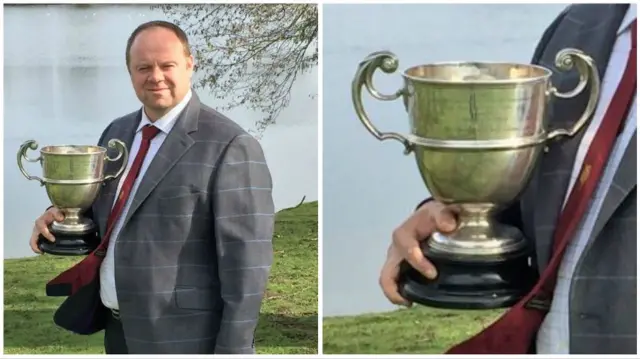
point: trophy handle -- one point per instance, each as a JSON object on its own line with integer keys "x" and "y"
{"x": 388, "y": 63}
{"x": 22, "y": 153}
{"x": 122, "y": 152}
{"x": 565, "y": 60}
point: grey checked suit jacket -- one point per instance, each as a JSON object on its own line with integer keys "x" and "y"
{"x": 603, "y": 297}
{"x": 193, "y": 257}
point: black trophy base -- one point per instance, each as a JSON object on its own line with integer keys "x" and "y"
{"x": 69, "y": 244}
{"x": 469, "y": 285}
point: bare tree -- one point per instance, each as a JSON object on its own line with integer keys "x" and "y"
{"x": 250, "y": 54}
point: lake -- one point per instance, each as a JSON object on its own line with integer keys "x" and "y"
{"x": 65, "y": 79}
{"x": 369, "y": 187}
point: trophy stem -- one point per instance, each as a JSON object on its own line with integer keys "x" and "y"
{"x": 477, "y": 220}
{"x": 478, "y": 238}
{"x": 71, "y": 216}
{"x": 73, "y": 223}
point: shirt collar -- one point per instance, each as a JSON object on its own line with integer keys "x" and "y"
{"x": 631, "y": 15}
{"x": 166, "y": 122}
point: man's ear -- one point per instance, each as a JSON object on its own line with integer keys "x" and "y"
{"x": 191, "y": 63}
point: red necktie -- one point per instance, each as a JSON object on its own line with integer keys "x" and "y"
{"x": 148, "y": 133}
{"x": 86, "y": 271}
{"x": 514, "y": 332}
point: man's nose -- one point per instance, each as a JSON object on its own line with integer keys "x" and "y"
{"x": 156, "y": 74}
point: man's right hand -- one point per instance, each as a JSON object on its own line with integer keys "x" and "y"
{"x": 42, "y": 227}
{"x": 405, "y": 246}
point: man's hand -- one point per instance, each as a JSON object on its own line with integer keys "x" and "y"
{"x": 42, "y": 227}
{"x": 432, "y": 216}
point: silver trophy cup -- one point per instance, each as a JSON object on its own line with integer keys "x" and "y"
{"x": 72, "y": 176}
{"x": 477, "y": 130}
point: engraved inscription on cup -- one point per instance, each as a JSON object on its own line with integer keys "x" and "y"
{"x": 73, "y": 163}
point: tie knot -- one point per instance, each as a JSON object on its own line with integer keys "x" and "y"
{"x": 149, "y": 132}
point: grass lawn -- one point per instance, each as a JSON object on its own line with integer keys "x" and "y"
{"x": 418, "y": 330}
{"x": 288, "y": 323}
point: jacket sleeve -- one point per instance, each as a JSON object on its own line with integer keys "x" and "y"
{"x": 244, "y": 224}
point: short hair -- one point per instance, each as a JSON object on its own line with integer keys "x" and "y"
{"x": 182, "y": 36}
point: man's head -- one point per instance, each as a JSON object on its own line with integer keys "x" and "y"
{"x": 160, "y": 63}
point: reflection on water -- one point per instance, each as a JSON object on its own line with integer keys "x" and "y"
{"x": 65, "y": 80}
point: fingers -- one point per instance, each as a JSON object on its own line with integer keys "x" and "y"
{"x": 445, "y": 220}
{"x": 56, "y": 213}
{"x": 41, "y": 227}
{"x": 433, "y": 216}
{"x": 389, "y": 281}
{"x": 407, "y": 240}
{"x": 389, "y": 285}
{"x": 410, "y": 248}
{"x": 33, "y": 242}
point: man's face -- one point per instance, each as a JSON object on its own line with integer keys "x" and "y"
{"x": 160, "y": 71}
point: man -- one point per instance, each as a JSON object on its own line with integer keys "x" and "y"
{"x": 186, "y": 248}
{"x": 594, "y": 301}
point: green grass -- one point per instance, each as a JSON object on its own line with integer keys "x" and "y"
{"x": 418, "y": 330}
{"x": 289, "y": 317}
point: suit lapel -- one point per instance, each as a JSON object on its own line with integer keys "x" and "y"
{"x": 591, "y": 28}
{"x": 125, "y": 131}
{"x": 177, "y": 143}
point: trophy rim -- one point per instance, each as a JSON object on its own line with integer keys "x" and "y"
{"x": 46, "y": 150}
{"x": 547, "y": 73}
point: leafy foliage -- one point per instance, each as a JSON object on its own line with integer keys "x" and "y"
{"x": 250, "y": 54}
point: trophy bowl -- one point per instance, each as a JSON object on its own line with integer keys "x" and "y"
{"x": 477, "y": 130}
{"x": 72, "y": 176}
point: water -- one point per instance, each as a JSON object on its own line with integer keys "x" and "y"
{"x": 65, "y": 80}
{"x": 369, "y": 187}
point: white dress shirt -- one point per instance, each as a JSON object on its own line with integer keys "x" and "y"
{"x": 553, "y": 337}
{"x": 164, "y": 124}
